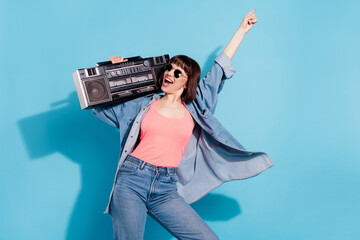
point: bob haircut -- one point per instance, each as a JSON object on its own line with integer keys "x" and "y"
{"x": 192, "y": 70}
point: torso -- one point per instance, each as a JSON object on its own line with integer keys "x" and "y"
{"x": 164, "y": 134}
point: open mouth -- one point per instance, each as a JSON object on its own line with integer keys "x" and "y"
{"x": 167, "y": 80}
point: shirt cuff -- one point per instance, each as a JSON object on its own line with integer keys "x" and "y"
{"x": 225, "y": 63}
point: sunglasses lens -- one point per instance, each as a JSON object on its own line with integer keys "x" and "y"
{"x": 168, "y": 67}
{"x": 177, "y": 73}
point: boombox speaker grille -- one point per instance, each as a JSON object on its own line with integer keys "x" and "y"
{"x": 97, "y": 90}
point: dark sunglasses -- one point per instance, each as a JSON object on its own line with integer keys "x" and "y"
{"x": 177, "y": 72}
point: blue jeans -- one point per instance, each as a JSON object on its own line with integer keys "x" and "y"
{"x": 141, "y": 189}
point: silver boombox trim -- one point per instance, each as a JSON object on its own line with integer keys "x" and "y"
{"x": 109, "y": 83}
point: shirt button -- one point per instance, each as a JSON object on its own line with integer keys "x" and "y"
{"x": 131, "y": 136}
{"x": 226, "y": 141}
{"x": 137, "y": 121}
{"x": 143, "y": 109}
{"x": 212, "y": 134}
{"x": 125, "y": 151}
{"x": 192, "y": 111}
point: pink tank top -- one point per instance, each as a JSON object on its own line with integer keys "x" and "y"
{"x": 163, "y": 140}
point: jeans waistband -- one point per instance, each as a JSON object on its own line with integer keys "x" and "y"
{"x": 142, "y": 164}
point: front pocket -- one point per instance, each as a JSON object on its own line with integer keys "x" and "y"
{"x": 173, "y": 177}
{"x": 128, "y": 168}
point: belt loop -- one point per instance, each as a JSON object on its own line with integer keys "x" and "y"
{"x": 167, "y": 171}
{"x": 142, "y": 165}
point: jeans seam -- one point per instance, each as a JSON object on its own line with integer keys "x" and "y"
{"x": 152, "y": 187}
{"x": 113, "y": 224}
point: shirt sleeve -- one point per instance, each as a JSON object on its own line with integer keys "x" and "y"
{"x": 122, "y": 112}
{"x": 210, "y": 86}
{"x": 107, "y": 114}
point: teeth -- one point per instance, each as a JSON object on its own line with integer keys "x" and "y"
{"x": 168, "y": 80}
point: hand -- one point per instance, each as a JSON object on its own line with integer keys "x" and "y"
{"x": 116, "y": 59}
{"x": 248, "y": 21}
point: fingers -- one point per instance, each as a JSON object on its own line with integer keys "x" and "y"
{"x": 248, "y": 21}
{"x": 122, "y": 59}
{"x": 116, "y": 59}
{"x": 250, "y": 18}
{"x": 251, "y": 12}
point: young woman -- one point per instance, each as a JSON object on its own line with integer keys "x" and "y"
{"x": 174, "y": 151}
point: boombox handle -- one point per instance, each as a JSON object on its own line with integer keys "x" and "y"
{"x": 109, "y": 62}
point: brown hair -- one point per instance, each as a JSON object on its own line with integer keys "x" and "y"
{"x": 192, "y": 70}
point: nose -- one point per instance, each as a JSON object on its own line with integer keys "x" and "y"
{"x": 171, "y": 71}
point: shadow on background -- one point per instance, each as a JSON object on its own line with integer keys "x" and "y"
{"x": 85, "y": 140}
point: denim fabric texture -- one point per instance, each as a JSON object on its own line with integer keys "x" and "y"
{"x": 141, "y": 189}
{"x": 212, "y": 157}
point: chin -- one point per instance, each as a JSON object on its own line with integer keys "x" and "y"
{"x": 163, "y": 89}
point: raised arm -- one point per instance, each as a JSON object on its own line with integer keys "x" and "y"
{"x": 247, "y": 23}
{"x": 210, "y": 86}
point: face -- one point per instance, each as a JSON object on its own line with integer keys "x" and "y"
{"x": 174, "y": 80}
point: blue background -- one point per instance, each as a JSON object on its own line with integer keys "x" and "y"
{"x": 295, "y": 96}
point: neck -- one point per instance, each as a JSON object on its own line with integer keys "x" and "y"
{"x": 170, "y": 98}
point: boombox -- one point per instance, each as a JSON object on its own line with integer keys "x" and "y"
{"x": 109, "y": 83}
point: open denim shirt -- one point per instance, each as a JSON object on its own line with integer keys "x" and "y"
{"x": 213, "y": 156}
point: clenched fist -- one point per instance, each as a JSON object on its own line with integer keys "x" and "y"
{"x": 248, "y": 21}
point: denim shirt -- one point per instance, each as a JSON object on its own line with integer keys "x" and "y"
{"x": 213, "y": 156}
